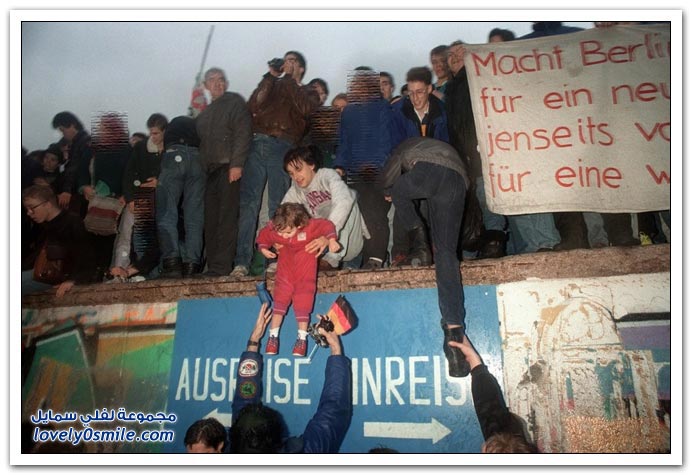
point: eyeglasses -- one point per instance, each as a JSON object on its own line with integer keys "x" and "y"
{"x": 31, "y": 209}
{"x": 419, "y": 93}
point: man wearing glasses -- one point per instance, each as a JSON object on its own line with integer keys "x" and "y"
{"x": 280, "y": 108}
{"x": 421, "y": 114}
{"x": 63, "y": 236}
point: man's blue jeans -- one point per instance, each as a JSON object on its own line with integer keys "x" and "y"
{"x": 181, "y": 175}
{"x": 491, "y": 221}
{"x": 531, "y": 232}
{"x": 445, "y": 191}
{"x": 265, "y": 165}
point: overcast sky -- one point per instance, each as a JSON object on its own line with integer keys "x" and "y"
{"x": 146, "y": 67}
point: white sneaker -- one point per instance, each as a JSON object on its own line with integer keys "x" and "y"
{"x": 271, "y": 268}
{"x": 137, "y": 278}
{"x": 239, "y": 271}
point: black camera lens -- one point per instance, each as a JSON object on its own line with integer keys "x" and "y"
{"x": 276, "y": 63}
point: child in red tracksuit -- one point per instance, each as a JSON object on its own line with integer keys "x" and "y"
{"x": 299, "y": 241}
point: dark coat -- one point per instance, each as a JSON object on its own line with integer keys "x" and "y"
{"x": 491, "y": 410}
{"x": 225, "y": 132}
{"x": 141, "y": 166}
{"x": 421, "y": 149}
{"x": 65, "y": 237}
{"x": 108, "y": 166}
{"x": 281, "y": 108}
{"x": 326, "y": 430}
{"x": 182, "y": 130}
{"x": 550, "y": 28}
{"x": 462, "y": 128}
{"x": 80, "y": 155}
{"x": 409, "y": 125}
{"x": 366, "y": 138}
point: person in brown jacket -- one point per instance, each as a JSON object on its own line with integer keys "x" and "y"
{"x": 280, "y": 108}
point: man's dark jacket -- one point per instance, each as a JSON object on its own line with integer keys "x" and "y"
{"x": 421, "y": 149}
{"x": 281, "y": 108}
{"x": 409, "y": 125}
{"x": 225, "y": 132}
{"x": 327, "y": 428}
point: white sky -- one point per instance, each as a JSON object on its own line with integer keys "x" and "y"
{"x": 146, "y": 67}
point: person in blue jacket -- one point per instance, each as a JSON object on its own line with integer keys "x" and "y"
{"x": 420, "y": 114}
{"x": 257, "y": 428}
{"x": 366, "y": 135}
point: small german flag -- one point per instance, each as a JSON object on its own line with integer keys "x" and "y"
{"x": 341, "y": 315}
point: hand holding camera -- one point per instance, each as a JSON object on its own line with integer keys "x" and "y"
{"x": 339, "y": 320}
{"x": 275, "y": 66}
{"x": 324, "y": 335}
{"x": 314, "y": 330}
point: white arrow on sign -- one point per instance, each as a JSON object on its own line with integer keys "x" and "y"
{"x": 225, "y": 418}
{"x": 407, "y": 430}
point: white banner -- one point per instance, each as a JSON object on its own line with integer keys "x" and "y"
{"x": 576, "y": 122}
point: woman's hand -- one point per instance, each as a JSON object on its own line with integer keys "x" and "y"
{"x": 317, "y": 246}
{"x": 334, "y": 246}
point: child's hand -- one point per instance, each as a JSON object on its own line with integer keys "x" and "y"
{"x": 267, "y": 253}
{"x": 334, "y": 245}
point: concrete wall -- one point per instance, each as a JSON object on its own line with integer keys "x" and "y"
{"x": 571, "y": 353}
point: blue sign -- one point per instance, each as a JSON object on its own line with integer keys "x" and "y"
{"x": 402, "y": 395}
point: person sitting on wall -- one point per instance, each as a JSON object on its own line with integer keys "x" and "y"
{"x": 502, "y": 430}
{"x": 325, "y": 195}
{"x": 259, "y": 429}
{"x": 64, "y": 239}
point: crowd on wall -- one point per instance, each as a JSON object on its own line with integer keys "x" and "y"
{"x": 188, "y": 198}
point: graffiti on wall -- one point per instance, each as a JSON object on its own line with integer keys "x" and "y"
{"x": 585, "y": 362}
{"x": 59, "y": 378}
{"x": 37, "y": 322}
{"x": 94, "y": 364}
{"x": 579, "y": 371}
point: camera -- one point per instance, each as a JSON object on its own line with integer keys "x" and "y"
{"x": 313, "y": 328}
{"x": 276, "y": 64}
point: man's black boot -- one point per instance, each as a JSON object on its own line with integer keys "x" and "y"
{"x": 573, "y": 231}
{"x": 494, "y": 244}
{"x": 190, "y": 269}
{"x": 458, "y": 366}
{"x": 420, "y": 255}
{"x": 171, "y": 268}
